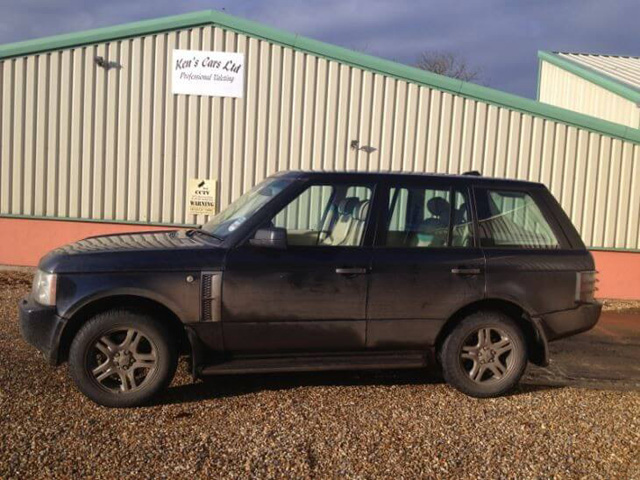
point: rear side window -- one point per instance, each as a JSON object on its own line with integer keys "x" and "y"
{"x": 512, "y": 219}
{"x": 420, "y": 217}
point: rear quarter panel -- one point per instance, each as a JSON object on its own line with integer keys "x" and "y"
{"x": 539, "y": 281}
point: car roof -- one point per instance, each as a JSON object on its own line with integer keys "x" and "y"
{"x": 472, "y": 177}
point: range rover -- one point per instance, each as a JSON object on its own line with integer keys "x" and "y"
{"x": 322, "y": 271}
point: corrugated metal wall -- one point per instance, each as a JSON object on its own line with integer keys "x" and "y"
{"x": 566, "y": 90}
{"x": 82, "y": 142}
{"x": 624, "y": 69}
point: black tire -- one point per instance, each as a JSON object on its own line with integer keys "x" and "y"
{"x": 134, "y": 372}
{"x": 481, "y": 368}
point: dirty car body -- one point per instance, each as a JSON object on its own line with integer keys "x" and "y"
{"x": 328, "y": 271}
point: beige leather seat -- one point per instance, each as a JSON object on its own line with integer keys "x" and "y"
{"x": 433, "y": 231}
{"x": 461, "y": 227}
{"x": 359, "y": 222}
{"x": 342, "y": 227}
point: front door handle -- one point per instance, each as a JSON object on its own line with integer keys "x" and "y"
{"x": 351, "y": 271}
{"x": 466, "y": 271}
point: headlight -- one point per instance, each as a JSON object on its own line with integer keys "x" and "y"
{"x": 44, "y": 288}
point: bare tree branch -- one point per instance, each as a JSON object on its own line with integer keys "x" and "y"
{"x": 449, "y": 64}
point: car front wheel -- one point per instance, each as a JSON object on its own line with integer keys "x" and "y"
{"x": 485, "y": 355}
{"x": 122, "y": 358}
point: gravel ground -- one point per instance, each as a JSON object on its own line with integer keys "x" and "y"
{"x": 379, "y": 424}
{"x": 621, "y": 306}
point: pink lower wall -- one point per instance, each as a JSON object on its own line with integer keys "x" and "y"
{"x": 24, "y": 241}
{"x": 618, "y": 274}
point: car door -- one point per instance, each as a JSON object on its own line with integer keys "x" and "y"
{"x": 426, "y": 263}
{"x": 530, "y": 261}
{"x": 310, "y": 296}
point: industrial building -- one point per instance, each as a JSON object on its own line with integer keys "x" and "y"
{"x": 112, "y": 129}
{"x": 604, "y": 86}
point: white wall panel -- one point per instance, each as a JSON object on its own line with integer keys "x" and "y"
{"x": 79, "y": 141}
{"x": 564, "y": 89}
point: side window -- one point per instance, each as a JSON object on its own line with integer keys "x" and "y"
{"x": 326, "y": 215}
{"x": 427, "y": 218}
{"x": 511, "y": 219}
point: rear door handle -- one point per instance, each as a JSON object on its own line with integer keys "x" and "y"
{"x": 351, "y": 271}
{"x": 466, "y": 271}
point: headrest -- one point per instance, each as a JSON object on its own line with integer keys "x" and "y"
{"x": 348, "y": 205}
{"x": 362, "y": 210}
{"x": 438, "y": 207}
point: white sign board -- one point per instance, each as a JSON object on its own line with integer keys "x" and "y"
{"x": 201, "y": 197}
{"x": 216, "y": 74}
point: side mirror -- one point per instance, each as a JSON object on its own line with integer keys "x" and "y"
{"x": 273, "y": 237}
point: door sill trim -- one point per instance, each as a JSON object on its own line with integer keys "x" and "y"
{"x": 316, "y": 362}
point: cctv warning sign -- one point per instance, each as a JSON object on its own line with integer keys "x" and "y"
{"x": 201, "y": 196}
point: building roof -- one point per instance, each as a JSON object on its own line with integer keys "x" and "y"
{"x": 624, "y": 69}
{"x": 325, "y": 50}
{"x": 618, "y": 74}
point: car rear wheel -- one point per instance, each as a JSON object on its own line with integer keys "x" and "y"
{"x": 485, "y": 355}
{"x": 122, "y": 358}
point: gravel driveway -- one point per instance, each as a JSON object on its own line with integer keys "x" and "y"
{"x": 378, "y": 424}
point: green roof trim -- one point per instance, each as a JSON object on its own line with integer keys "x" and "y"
{"x": 106, "y": 34}
{"x": 321, "y": 49}
{"x": 538, "y": 81}
{"x": 592, "y": 75}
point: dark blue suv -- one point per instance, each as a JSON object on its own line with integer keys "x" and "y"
{"x": 323, "y": 271}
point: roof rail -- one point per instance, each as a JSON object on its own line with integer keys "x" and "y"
{"x": 474, "y": 173}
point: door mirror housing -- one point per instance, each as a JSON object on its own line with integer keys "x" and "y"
{"x": 272, "y": 237}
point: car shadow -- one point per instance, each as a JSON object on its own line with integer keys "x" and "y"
{"x": 218, "y": 387}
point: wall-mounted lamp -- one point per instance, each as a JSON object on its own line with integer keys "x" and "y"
{"x": 106, "y": 64}
{"x": 355, "y": 145}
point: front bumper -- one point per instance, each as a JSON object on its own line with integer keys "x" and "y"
{"x": 41, "y": 327}
{"x": 565, "y": 323}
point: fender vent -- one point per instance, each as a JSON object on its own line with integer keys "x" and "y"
{"x": 211, "y": 296}
{"x": 206, "y": 298}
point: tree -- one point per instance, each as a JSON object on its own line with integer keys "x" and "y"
{"x": 449, "y": 64}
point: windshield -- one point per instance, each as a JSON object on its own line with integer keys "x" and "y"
{"x": 245, "y": 207}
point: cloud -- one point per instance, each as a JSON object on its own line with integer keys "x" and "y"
{"x": 500, "y": 36}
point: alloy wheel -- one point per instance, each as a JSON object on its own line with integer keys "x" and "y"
{"x": 122, "y": 360}
{"x": 487, "y": 355}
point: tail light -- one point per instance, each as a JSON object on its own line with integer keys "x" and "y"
{"x": 586, "y": 287}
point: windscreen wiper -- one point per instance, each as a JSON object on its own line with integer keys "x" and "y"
{"x": 192, "y": 231}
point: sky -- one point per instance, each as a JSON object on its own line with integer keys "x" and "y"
{"x": 501, "y": 37}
